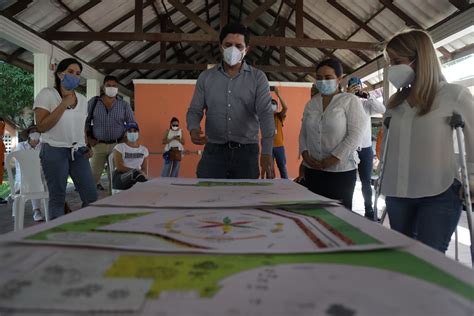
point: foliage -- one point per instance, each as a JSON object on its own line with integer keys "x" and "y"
{"x": 16, "y": 94}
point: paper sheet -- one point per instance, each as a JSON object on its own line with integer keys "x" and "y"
{"x": 202, "y": 193}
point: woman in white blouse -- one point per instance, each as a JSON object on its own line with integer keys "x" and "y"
{"x": 421, "y": 175}
{"x": 60, "y": 114}
{"x": 332, "y": 128}
{"x": 173, "y": 141}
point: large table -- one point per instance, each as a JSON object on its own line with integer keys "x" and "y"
{"x": 210, "y": 247}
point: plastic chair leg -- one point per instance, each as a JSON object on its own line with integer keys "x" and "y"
{"x": 20, "y": 215}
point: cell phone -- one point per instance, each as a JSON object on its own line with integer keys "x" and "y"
{"x": 272, "y": 88}
{"x": 353, "y": 81}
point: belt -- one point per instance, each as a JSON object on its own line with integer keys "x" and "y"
{"x": 233, "y": 145}
{"x": 115, "y": 141}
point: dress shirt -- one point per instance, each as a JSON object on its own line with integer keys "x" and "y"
{"x": 420, "y": 159}
{"x": 336, "y": 131}
{"x": 235, "y": 107}
{"x": 371, "y": 107}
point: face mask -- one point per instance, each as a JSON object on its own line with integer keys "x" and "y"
{"x": 274, "y": 107}
{"x": 111, "y": 91}
{"x": 401, "y": 76}
{"x": 70, "y": 82}
{"x": 326, "y": 87}
{"x": 34, "y": 136}
{"x": 233, "y": 56}
{"x": 132, "y": 136}
{"x": 174, "y": 128}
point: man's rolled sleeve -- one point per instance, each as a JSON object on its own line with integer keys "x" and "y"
{"x": 195, "y": 111}
{"x": 265, "y": 113}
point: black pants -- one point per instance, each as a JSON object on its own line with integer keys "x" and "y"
{"x": 333, "y": 185}
{"x": 124, "y": 180}
{"x": 229, "y": 161}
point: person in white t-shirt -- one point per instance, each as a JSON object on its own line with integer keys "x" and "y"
{"x": 32, "y": 143}
{"x": 173, "y": 141}
{"x": 421, "y": 180}
{"x": 61, "y": 114}
{"x": 130, "y": 159}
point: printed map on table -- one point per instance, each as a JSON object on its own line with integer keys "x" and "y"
{"x": 222, "y": 231}
{"x": 382, "y": 282}
{"x": 192, "y": 193}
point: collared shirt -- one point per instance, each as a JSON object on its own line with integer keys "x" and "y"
{"x": 235, "y": 107}
{"x": 336, "y": 131}
{"x": 420, "y": 159}
{"x": 109, "y": 125}
{"x": 371, "y": 107}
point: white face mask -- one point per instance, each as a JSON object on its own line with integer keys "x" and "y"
{"x": 401, "y": 76}
{"x": 34, "y": 136}
{"x": 111, "y": 91}
{"x": 274, "y": 107}
{"x": 233, "y": 56}
{"x": 174, "y": 128}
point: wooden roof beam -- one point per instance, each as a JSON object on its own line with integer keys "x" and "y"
{"x": 17, "y": 7}
{"x": 206, "y": 38}
{"x": 258, "y": 12}
{"x": 139, "y": 16}
{"x": 193, "y": 17}
{"x": 224, "y": 12}
{"x": 401, "y": 14}
{"x": 356, "y": 20}
{"x": 299, "y": 18}
{"x": 73, "y": 15}
{"x": 460, "y": 4}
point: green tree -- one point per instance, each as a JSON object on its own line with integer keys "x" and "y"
{"x": 16, "y": 94}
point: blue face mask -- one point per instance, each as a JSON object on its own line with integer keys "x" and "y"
{"x": 70, "y": 82}
{"x": 326, "y": 87}
{"x": 132, "y": 136}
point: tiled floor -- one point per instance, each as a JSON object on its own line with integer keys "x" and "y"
{"x": 6, "y": 221}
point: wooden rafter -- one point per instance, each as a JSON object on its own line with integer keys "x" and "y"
{"x": 224, "y": 12}
{"x": 138, "y": 16}
{"x": 299, "y": 18}
{"x": 206, "y": 38}
{"x": 193, "y": 17}
{"x": 460, "y": 4}
{"x": 401, "y": 14}
{"x": 109, "y": 27}
{"x": 16, "y": 61}
{"x": 72, "y": 15}
{"x": 17, "y": 7}
{"x": 355, "y": 19}
{"x": 258, "y": 12}
{"x": 15, "y": 54}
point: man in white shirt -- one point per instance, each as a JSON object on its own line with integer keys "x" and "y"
{"x": 366, "y": 154}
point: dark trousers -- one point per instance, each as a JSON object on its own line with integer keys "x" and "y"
{"x": 431, "y": 220}
{"x": 366, "y": 156}
{"x": 279, "y": 156}
{"x": 229, "y": 161}
{"x": 333, "y": 185}
{"x": 124, "y": 180}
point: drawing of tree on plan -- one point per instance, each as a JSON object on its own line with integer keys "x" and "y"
{"x": 222, "y": 231}
{"x": 291, "y": 284}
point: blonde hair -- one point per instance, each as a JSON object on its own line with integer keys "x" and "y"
{"x": 418, "y": 47}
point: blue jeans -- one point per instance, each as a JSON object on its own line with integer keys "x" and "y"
{"x": 431, "y": 220}
{"x": 57, "y": 164}
{"x": 170, "y": 168}
{"x": 278, "y": 154}
{"x": 229, "y": 161}
{"x": 366, "y": 156}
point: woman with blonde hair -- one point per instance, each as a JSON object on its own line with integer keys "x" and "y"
{"x": 421, "y": 177}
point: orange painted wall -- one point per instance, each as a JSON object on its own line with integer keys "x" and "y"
{"x": 155, "y": 104}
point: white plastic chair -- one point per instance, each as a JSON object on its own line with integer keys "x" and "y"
{"x": 111, "y": 168}
{"x": 31, "y": 186}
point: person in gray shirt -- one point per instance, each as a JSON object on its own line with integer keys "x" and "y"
{"x": 236, "y": 100}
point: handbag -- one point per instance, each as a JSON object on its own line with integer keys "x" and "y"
{"x": 174, "y": 154}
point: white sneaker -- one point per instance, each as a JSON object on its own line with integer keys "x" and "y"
{"x": 38, "y": 216}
